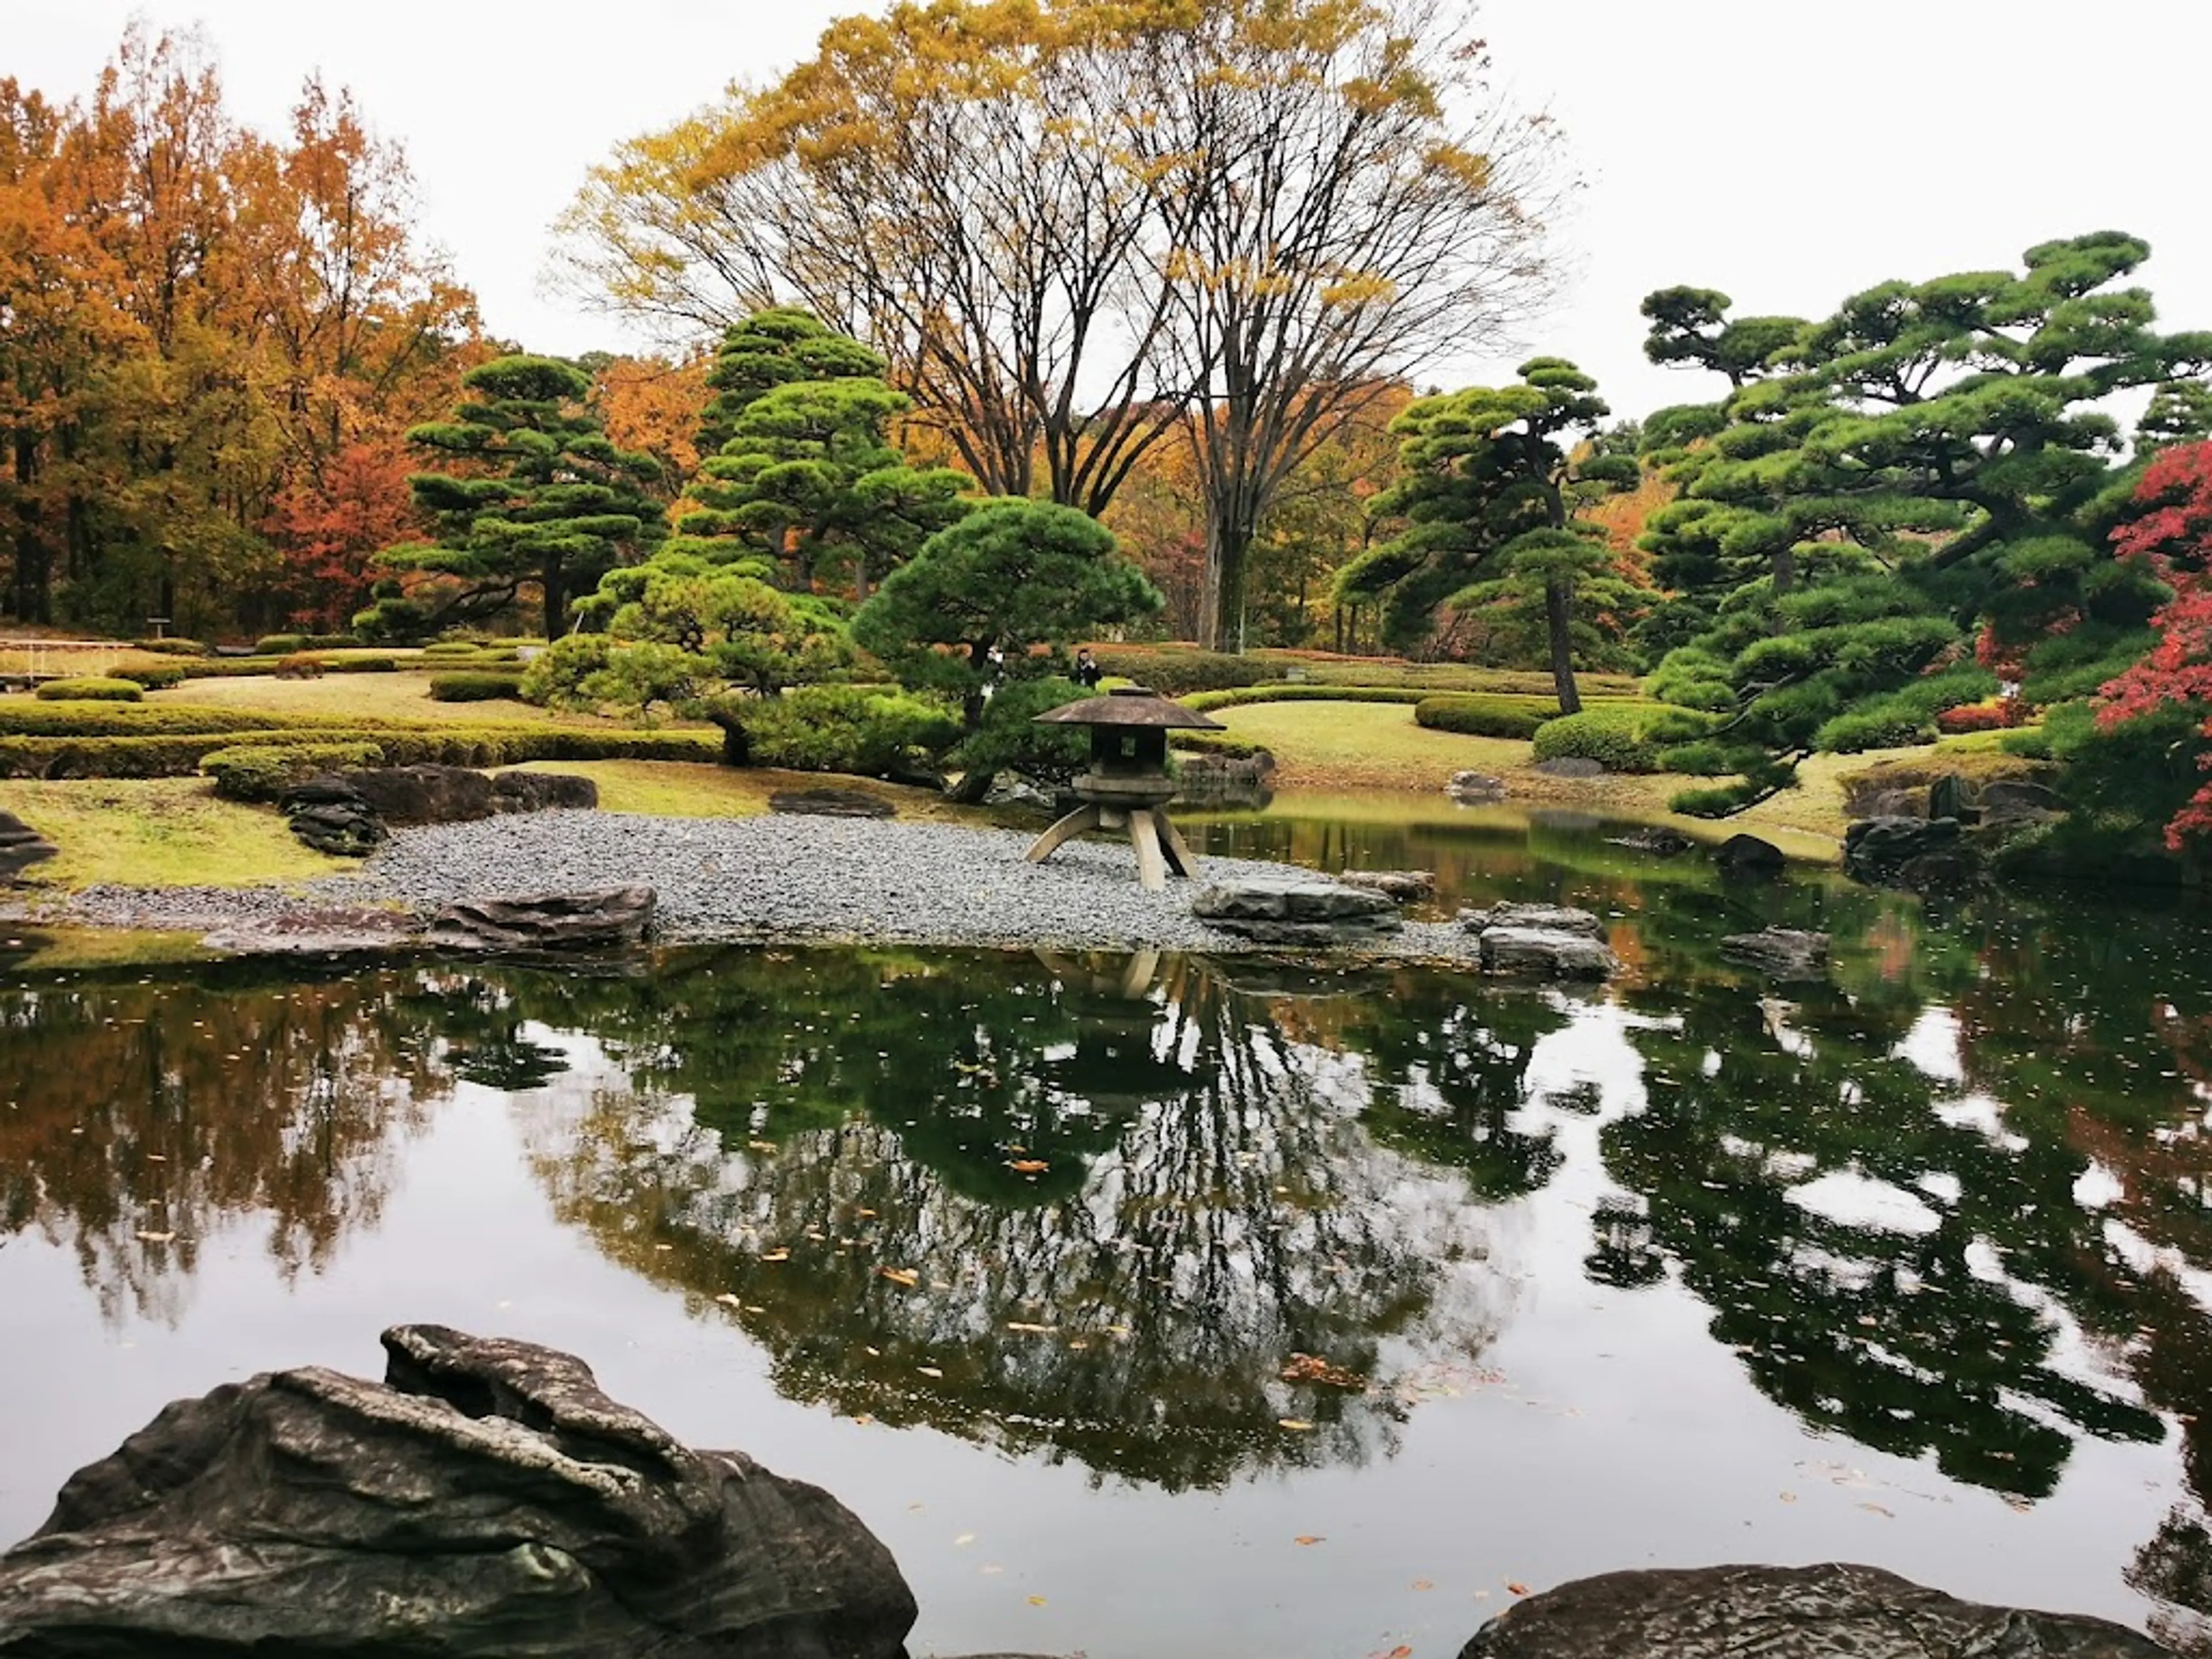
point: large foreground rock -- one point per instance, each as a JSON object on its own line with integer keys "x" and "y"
{"x": 1547, "y": 953}
{"x": 609, "y": 919}
{"x": 1830, "y": 1611}
{"x": 485, "y": 1500}
{"x": 1306, "y": 910}
{"x": 20, "y": 847}
{"x": 1921, "y": 853}
{"x": 1749, "y": 856}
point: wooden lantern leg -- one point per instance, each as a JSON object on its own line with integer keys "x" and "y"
{"x": 1082, "y": 819}
{"x": 1151, "y": 865}
{"x": 1143, "y": 967}
{"x": 1171, "y": 841}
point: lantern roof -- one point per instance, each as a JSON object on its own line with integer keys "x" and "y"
{"x": 1129, "y": 705}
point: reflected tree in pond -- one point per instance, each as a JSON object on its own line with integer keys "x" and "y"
{"x": 143, "y": 1116}
{"x": 859, "y": 1184}
{"x": 1921, "y": 1332}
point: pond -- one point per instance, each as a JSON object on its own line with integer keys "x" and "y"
{"x": 1909, "y": 1269}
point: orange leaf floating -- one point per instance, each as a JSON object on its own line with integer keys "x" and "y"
{"x": 1311, "y": 1538}
{"x": 1029, "y": 1166}
{"x": 906, "y": 1276}
{"x": 1309, "y": 1368}
{"x": 1296, "y": 1423}
{"x": 1517, "y": 1590}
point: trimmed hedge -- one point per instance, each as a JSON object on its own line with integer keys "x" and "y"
{"x": 450, "y": 648}
{"x": 1216, "y": 743}
{"x": 476, "y": 685}
{"x": 262, "y": 772}
{"x": 1516, "y": 718}
{"x": 156, "y": 677}
{"x": 361, "y": 664}
{"x": 91, "y": 688}
{"x": 867, "y": 731}
{"x": 1176, "y": 673}
{"x": 179, "y": 756}
{"x": 1239, "y": 696}
{"x": 174, "y": 647}
{"x": 279, "y": 645}
{"x": 1623, "y": 737}
{"x": 110, "y": 720}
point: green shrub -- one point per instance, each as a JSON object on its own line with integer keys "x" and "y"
{"x": 1216, "y": 743}
{"x": 1624, "y": 737}
{"x": 1239, "y": 696}
{"x": 1176, "y": 673}
{"x": 21, "y": 718}
{"x": 864, "y": 730}
{"x": 450, "y": 648}
{"x": 1437, "y": 678}
{"x": 1486, "y": 717}
{"x": 476, "y": 685}
{"x": 156, "y": 677}
{"x": 361, "y": 664}
{"x": 171, "y": 755}
{"x": 262, "y": 772}
{"x": 334, "y": 641}
{"x": 279, "y": 645}
{"x": 1008, "y": 739}
{"x": 174, "y": 647}
{"x": 91, "y": 688}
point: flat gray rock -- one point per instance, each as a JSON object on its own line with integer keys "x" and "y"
{"x": 1290, "y": 898}
{"x": 831, "y": 803}
{"x": 1547, "y": 953}
{"x": 1399, "y": 886}
{"x": 1834, "y": 1611}
{"x": 20, "y": 846}
{"x": 607, "y": 918}
{"x": 1547, "y": 918}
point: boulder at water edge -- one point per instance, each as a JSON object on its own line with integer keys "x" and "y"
{"x": 608, "y": 918}
{"x": 1546, "y": 953}
{"x": 1782, "y": 953}
{"x": 1398, "y": 886}
{"x": 1747, "y": 855}
{"x": 1552, "y": 918}
{"x": 1921, "y": 853}
{"x": 486, "y": 1499}
{"x": 1785, "y": 1613}
{"x": 1303, "y": 911}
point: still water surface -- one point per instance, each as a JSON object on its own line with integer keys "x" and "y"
{"x": 1909, "y": 1269}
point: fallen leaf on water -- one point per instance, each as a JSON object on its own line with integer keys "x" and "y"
{"x": 1877, "y": 1509}
{"x": 992, "y": 1568}
{"x": 775, "y": 1255}
{"x": 1042, "y": 1330}
{"x": 965, "y": 1538}
{"x": 1310, "y": 1368}
{"x": 1422, "y": 1584}
{"x": 1788, "y": 1496}
{"x": 761, "y": 1145}
{"x": 157, "y": 1238}
{"x": 729, "y": 1301}
{"x": 1298, "y": 1422}
{"x": 1517, "y": 1590}
{"x": 906, "y": 1276}
{"x": 1036, "y": 1601}
{"x": 1029, "y": 1166}
{"x": 929, "y": 1370}
{"x": 1401, "y": 1651}
{"x": 862, "y": 1417}
{"x": 1311, "y": 1538}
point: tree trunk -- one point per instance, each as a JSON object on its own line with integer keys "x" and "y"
{"x": 556, "y": 596}
{"x": 1558, "y": 597}
{"x": 34, "y": 596}
{"x": 1221, "y": 611}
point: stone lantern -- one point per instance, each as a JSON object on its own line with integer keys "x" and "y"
{"x": 1128, "y": 786}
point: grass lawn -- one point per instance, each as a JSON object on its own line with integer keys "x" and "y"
{"x": 158, "y": 832}
{"x": 381, "y": 696}
{"x": 1335, "y": 747}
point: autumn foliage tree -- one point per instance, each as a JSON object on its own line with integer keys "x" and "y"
{"x": 2172, "y": 538}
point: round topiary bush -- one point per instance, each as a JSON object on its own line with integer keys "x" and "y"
{"x": 1516, "y": 718}
{"x": 155, "y": 677}
{"x": 1623, "y": 737}
{"x": 92, "y": 689}
{"x": 476, "y": 685}
{"x": 279, "y": 645}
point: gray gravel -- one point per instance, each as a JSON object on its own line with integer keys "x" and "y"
{"x": 763, "y": 877}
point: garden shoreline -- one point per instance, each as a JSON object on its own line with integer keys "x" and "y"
{"x": 766, "y": 879}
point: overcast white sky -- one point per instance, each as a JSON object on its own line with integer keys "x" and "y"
{"x": 1785, "y": 151}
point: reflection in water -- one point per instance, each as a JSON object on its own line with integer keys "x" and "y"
{"x": 1952, "y": 1207}
{"x": 143, "y": 1116}
{"x": 1039, "y": 1211}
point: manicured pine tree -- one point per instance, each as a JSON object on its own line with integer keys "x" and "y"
{"x": 542, "y": 497}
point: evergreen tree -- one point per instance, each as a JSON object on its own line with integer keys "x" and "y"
{"x": 544, "y": 498}
{"x": 1932, "y": 457}
{"x": 1493, "y": 479}
{"x": 804, "y": 475}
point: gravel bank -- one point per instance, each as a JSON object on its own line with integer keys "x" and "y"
{"x": 762, "y": 877}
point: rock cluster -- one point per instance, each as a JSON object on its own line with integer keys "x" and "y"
{"x": 1302, "y": 910}
{"x": 20, "y": 847}
{"x": 485, "y": 1499}
{"x": 329, "y": 815}
{"x": 1921, "y": 853}
{"x": 1784, "y": 1613}
{"x": 1781, "y": 953}
{"x": 1475, "y": 786}
{"x": 1551, "y": 941}
{"x": 1749, "y": 856}
{"x": 1658, "y": 840}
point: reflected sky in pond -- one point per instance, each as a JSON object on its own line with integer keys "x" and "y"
{"x": 1013, "y": 1251}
